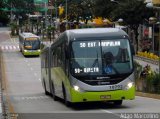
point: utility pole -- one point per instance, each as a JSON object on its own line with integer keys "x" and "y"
{"x": 66, "y": 15}
{"x": 46, "y": 9}
{"x": 56, "y": 8}
{"x": 11, "y": 14}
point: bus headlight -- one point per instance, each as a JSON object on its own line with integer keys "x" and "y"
{"x": 129, "y": 85}
{"x": 76, "y": 88}
{"x": 25, "y": 50}
{"x": 39, "y": 50}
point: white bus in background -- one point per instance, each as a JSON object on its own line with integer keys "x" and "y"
{"x": 29, "y": 44}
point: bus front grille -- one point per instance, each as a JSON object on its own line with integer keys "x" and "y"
{"x": 95, "y": 81}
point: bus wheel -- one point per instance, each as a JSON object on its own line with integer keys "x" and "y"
{"x": 45, "y": 90}
{"x": 68, "y": 104}
{"x": 118, "y": 102}
{"x": 53, "y": 93}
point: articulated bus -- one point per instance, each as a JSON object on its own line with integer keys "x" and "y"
{"x": 29, "y": 44}
{"x": 85, "y": 65}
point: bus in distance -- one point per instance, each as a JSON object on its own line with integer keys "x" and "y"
{"x": 29, "y": 44}
{"x": 85, "y": 65}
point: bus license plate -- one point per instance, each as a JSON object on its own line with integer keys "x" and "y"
{"x": 116, "y": 87}
{"x": 105, "y": 96}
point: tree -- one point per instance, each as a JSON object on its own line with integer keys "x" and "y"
{"x": 21, "y": 6}
{"x": 103, "y": 8}
{"x": 76, "y": 9}
{"x": 3, "y": 15}
{"x": 133, "y": 12}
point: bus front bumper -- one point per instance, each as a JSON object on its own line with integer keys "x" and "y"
{"x": 29, "y": 53}
{"x": 103, "y": 96}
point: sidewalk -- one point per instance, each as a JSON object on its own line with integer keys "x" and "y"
{"x": 148, "y": 95}
{"x": 154, "y": 66}
{"x": 0, "y": 102}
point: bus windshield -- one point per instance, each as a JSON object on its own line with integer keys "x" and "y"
{"x": 32, "y": 44}
{"x": 101, "y": 57}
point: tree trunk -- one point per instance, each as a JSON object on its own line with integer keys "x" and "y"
{"x": 135, "y": 28}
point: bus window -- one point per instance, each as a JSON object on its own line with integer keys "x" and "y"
{"x": 32, "y": 45}
{"x": 100, "y": 57}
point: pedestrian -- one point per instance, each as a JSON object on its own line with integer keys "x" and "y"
{"x": 144, "y": 73}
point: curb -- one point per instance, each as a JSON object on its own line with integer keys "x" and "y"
{"x": 149, "y": 95}
{"x": 0, "y": 102}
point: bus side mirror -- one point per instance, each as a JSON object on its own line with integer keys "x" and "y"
{"x": 132, "y": 50}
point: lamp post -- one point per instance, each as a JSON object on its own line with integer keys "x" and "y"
{"x": 152, "y": 21}
{"x": 11, "y": 14}
{"x": 150, "y": 5}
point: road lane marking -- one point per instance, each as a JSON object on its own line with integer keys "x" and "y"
{"x": 2, "y": 47}
{"x": 14, "y": 47}
{"x": 9, "y": 47}
{"x": 110, "y": 112}
{"x": 6, "y": 47}
{"x": 27, "y": 98}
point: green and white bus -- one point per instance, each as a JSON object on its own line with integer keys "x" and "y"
{"x": 29, "y": 44}
{"x": 85, "y": 65}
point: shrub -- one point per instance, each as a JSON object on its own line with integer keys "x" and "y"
{"x": 148, "y": 55}
{"x": 14, "y": 29}
{"x": 156, "y": 83}
{"x": 138, "y": 69}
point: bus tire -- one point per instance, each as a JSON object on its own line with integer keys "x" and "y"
{"x": 118, "y": 102}
{"x": 67, "y": 103}
{"x": 55, "y": 98}
{"x": 45, "y": 90}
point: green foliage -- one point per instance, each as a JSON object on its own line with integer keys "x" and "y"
{"x": 132, "y": 11}
{"x": 20, "y": 6}
{"x": 76, "y": 9}
{"x": 4, "y": 17}
{"x": 14, "y": 29}
{"x": 156, "y": 79}
{"x": 150, "y": 83}
{"x": 156, "y": 83}
{"x": 103, "y": 10}
{"x": 138, "y": 69}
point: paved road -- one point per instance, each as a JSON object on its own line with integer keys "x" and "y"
{"x": 26, "y": 99}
